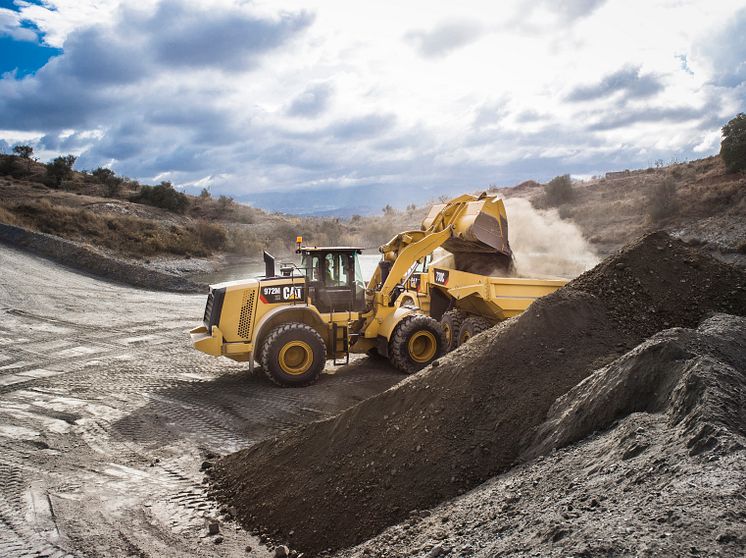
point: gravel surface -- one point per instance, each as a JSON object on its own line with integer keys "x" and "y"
{"x": 108, "y": 417}
{"x": 335, "y": 483}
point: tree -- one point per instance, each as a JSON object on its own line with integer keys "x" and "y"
{"x": 388, "y": 210}
{"x": 733, "y": 146}
{"x": 23, "y": 151}
{"x": 60, "y": 168}
{"x": 559, "y": 190}
{"x": 109, "y": 180}
{"x": 164, "y": 195}
{"x": 205, "y": 194}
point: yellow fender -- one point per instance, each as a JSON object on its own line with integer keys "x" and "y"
{"x": 391, "y": 321}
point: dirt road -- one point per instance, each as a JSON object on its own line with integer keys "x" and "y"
{"x": 107, "y": 414}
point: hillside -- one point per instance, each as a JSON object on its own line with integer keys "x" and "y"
{"x": 161, "y": 228}
{"x": 164, "y": 230}
{"x": 704, "y": 205}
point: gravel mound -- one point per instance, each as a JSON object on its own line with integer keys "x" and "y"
{"x": 696, "y": 377}
{"x": 665, "y": 479}
{"x": 435, "y": 435}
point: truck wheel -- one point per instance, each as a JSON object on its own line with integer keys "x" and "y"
{"x": 473, "y": 325}
{"x": 451, "y": 324}
{"x": 293, "y": 354}
{"x": 417, "y": 341}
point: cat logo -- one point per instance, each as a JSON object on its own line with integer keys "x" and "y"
{"x": 292, "y": 293}
{"x": 282, "y": 293}
{"x": 441, "y": 276}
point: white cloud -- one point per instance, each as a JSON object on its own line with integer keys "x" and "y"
{"x": 287, "y": 94}
{"x": 11, "y": 26}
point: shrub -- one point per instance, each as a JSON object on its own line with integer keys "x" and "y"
{"x": 733, "y": 146}
{"x": 224, "y": 202}
{"x": 210, "y": 235}
{"x": 8, "y": 165}
{"x": 23, "y": 151}
{"x": 7, "y": 217}
{"x": 109, "y": 180}
{"x": 60, "y": 168}
{"x": 662, "y": 200}
{"x": 164, "y": 196}
{"x": 558, "y": 190}
{"x": 244, "y": 242}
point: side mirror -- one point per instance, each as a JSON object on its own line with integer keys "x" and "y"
{"x": 269, "y": 264}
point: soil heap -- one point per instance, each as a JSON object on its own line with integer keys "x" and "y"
{"x": 660, "y": 469}
{"x": 337, "y": 482}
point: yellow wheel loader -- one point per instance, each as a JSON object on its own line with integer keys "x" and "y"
{"x": 411, "y": 311}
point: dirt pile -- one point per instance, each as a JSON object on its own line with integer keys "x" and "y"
{"x": 443, "y": 431}
{"x": 696, "y": 377}
{"x": 665, "y": 478}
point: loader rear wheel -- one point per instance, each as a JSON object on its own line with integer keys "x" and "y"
{"x": 416, "y": 342}
{"x": 293, "y": 355}
{"x": 451, "y": 324}
{"x": 473, "y": 325}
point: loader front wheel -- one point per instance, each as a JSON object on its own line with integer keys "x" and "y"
{"x": 293, "y": 355}
{"x": 416, "y": 342}
{"x": 451, "y": 324}
{"x": 473, "y": 325}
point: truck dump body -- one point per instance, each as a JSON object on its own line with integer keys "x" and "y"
{"x": 496, "y": 298}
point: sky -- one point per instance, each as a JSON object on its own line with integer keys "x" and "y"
{"x": 317, "y": 105}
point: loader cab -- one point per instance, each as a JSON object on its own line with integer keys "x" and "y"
{"x": 335, "y": 281}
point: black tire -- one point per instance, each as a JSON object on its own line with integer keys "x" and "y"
{"x": 451, "y": 324}
{"x": 416, "y": 342}
{"x": 472, "y": 325}
{"x": 293, "y": 355}
{"x": 373, "y": 354}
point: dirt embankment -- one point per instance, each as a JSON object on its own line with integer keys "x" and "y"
{"x": 338, "y": 482}
{"x": 83, "y": 258}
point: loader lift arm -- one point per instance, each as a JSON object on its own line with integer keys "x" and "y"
{"x": 465, "y": 225}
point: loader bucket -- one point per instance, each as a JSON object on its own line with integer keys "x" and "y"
{"x": 480, "y": 240}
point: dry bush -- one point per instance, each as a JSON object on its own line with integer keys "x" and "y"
{"x": 7, "y": 217}
{"x": 662, "y": 200}
{"x": 558, "y": 190}
{"x": 209, "y": 235}
{"x": 224, "y": 209}
{"x": 244, "y": 242}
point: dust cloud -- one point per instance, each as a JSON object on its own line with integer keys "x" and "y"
{"x": 544, "y": 245}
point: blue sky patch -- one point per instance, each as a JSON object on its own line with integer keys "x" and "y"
{"x": 10, "y": 4}
{"x": 24, "y": 56}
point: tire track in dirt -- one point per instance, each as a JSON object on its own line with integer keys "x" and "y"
{"x": 109, "y": 413}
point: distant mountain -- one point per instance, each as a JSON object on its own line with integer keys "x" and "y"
{"x": 345, "y": 202}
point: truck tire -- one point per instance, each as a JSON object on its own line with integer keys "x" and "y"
{"x": 416, "y": 342}
{"x": 451, "y": 324}
{"x": 293, "y": 355}
{"x": 472, "y": 325}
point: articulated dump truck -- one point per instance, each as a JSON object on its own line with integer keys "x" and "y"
{"x": 413, "y": 310}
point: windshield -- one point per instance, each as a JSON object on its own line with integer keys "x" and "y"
{"x": 333, "y": 269}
